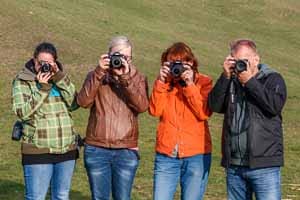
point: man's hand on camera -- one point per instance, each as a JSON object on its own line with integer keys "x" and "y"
{"x": 164, "y": 72}
{"x": 43, "y": 77}
{"x": 125, "y": 69}
{"x": 245, "y": 76}
{"x": 228, "y": 66}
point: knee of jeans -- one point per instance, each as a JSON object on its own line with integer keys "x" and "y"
{"x": 33, "y": 196}
{"x": 62, "y": 195}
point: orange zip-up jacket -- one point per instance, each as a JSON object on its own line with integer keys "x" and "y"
{"x": 183, "y": 113}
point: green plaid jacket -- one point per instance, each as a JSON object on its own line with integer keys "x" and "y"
{"x": 47, "y": 121}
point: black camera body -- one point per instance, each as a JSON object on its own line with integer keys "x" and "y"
{"x": 79, "y": 141}
{"x": 176, "y": 69}
{"x": 240, "y": 66}
{"x": 115, "y": 60}
{"x": 45, "y": 67}
{"x": 17, "y": 131}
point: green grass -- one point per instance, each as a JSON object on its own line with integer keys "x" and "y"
{"x": 81, "y": 31}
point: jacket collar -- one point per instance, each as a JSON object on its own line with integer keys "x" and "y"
{"x": 28, "y": 73}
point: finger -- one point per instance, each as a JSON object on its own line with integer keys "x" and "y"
{"x": 166, "y": 68}
{"x": 39, "y": 74}
{"x": 166, "y": 63}
{"x": 187, "y": 66}
{"x": 47, "y": 76}
{"x": 103, "y": 56}
{"x": 106, "y": 62}
{"x": 164, "y": 75}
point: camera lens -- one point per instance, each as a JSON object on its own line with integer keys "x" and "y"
{"x": 115, "y": 60}
{"x": 240, "y": 66}
{"x": 46, "y": 67}
{"x": 177, "y": 69}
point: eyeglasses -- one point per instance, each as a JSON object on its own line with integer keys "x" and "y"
{"x": 127, "y": 58}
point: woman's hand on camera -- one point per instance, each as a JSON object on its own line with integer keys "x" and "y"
{"x": 43, "y": 77}
{"x": 228, "y": 66}
{"x": 54, "y": 67}
{"x": 103, "y": 62}
{"x": 164, "y": 72}
{"x": 188, "y": 75}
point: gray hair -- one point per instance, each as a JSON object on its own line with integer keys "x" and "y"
{"x": 119, "y": 41}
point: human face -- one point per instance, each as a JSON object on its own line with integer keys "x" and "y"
{"x": 43, "y": 57}
{"x": 248, "y": 55}
{"x": 124, "y": 50}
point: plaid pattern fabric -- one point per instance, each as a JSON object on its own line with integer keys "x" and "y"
{"x": 46, "y": 119}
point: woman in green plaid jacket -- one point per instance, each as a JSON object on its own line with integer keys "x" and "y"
{"x": 43, "y": 97}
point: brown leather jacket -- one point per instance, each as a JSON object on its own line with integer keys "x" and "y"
{"x": 114, "y": 107}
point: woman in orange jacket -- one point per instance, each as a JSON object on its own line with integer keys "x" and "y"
{"x": 183, "y": 143}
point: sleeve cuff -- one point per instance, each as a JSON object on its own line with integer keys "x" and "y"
{"x": 45, "y": 87}
{"x": 124, "y": 79}
{"x": 58, "y": 76}
{"x": 251, "y": 84}
{"x": 99, "y": 72}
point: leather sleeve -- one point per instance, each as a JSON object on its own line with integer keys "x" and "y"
{"x": 135, "y": 88}
{"x": 88, "y": 92}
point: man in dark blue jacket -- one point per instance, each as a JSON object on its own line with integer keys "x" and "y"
{"x": 251, "y": 96}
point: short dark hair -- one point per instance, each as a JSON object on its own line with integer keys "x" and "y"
{"x": 45, "y": 47}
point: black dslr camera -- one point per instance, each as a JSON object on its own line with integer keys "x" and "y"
{"x": 176, "y": 69}
{"x": 17, "y": 131}
{"x": 45, "y": 67}
{"x": 240, "y": 66}
{"x": 115, "y": 60}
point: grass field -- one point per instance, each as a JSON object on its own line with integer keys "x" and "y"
{"x": 81, "y": 31}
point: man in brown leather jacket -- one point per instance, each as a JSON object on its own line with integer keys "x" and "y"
{"x": 115, "y": 92}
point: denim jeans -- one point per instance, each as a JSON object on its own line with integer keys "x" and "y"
{"x": 110, "y": 170}
{"x": 191, "y": 171}
{"x": 38, "y": 177}
{"x": 242, "y": 182}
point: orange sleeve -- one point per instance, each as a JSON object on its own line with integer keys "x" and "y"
{"x": 197, "y": 98}
{"x": 158, "y": 98}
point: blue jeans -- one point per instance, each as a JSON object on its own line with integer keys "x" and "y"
{"x": 191, "y": 171}
{"x": 38, "y": 177}
{"x": 242, "y": 182}
{"x": 110, "y": 170}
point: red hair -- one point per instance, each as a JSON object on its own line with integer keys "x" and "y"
{"x": 179, "y": 51}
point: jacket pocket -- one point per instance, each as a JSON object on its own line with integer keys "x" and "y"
{"x": 266, "y": 138}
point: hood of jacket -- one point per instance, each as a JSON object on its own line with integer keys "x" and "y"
{"x": 264, "y": 71}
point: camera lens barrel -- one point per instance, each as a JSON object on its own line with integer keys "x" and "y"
{"x": 176, "y": 69}
{"x": 240, "y": 66}
{"x": 46, "y": 67}
{"x": 115, "y": 61}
